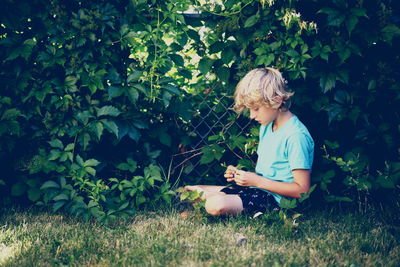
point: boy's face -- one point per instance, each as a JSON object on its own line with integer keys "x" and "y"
{"x": 263, "y": 114}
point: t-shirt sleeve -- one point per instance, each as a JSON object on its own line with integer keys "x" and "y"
{"x": 300, "y": 149}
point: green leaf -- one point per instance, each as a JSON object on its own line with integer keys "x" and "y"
{"x": 90, "y": 170}
{"x": 115, "y": 91}
{"x": 223, "y": 74}
{"x": 165, "y": 139}
{"x": 292, "y": 53}
{"x": 327, "y": 82}
{"x": 152, "y": 171}
{"x": 54, "y": 154}
{"x": 34, "y": 194}
{"x": 92, "y": 204}
{"x": 351, "y": 23}
{"x": 389, "y": 32}
{"x": 359, "y": 12}
{"x": 133, "y": 94}
{"x": 56, "y": 143}
{"x": 205, "y": 65}
{"x": 49, "y": 184}
{"x": 288, "y": 204}
{"x": 134, "y": 76}
{"x": 108, "y": 111}
{"x": 91, "y": 163}
{"x": 84, "y": 116}
{"x": 211, "y": 153}
{"x": 111, "y": 126}
{"x": 123, "y": 166}
{"x": 98, "y": 129}
{"x": 10, "y": 114}
{"x": 61, "y": 197}
{"x": 172, "y": 89}
{"x": 18, "y": 189}
{"x": 85, "y": 140}
{"x": 124, "y": 205}
{"x": 140, "y": 199}
{"x": 57, "y": 205}
{"x": 252, "y": 20}
{"x": 177, "y": 59}
{"x": 216, "y": 47}
{"x": 227, "y": 55}
{"x": 69, "y": 147}
{"x": 166, "y": 98}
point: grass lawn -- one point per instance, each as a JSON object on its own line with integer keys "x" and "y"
{"x": 323, "y": 238}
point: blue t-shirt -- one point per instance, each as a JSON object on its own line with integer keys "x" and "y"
{"x": 281, "y": 151}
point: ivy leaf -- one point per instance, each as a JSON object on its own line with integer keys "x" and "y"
{"x": 177, "y": 59}
{"x": 61, "y": 197}
{"x": 54, "y": 154}
{"x": 56, "y": 143}
{"x": 223, "y": 74}
{"x": 111, "y": 126}
{"x": 98, "y": 129}
{"x": 69, "y": 147}
{"x": 34, "y": 194}
{"x": 166, "y": 98}
{"x": 18, "y": 189}
{"x": 227, "y": 55}
{"x": 123, "y": 166}
{"x": 10, "y": 114}
{"x": 114, "y": 91}
{"x": 205, "y": 65}
{"x": 91, "y": 163}
{"x": 216, "y": 47}
{"x": 327, "y": 82}
{"x": 211, "y": 153}
{"x": 252, "y": 20}
{"x": 57, "y": 205}
{"x": 49, "y": 184}
{"x": 85, "y": 139}
{"x": 134, "y": 76}
{"x": 287, "y": 204}
{"x": 108, "y": 111}
{"x": 84, "y": 116}
{"x": 172, "y": 89}
{"x": 351, "y": 23}
{"x": 359, "y": 12}
{"x": 389, "y": 32}
{"x": 165, "y": 139}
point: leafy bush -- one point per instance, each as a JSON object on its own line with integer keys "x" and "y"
{"x": 97, "y": 96}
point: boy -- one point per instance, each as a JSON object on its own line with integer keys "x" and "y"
{"x": 285, "y": 151}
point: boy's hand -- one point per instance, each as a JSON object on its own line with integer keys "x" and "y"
{"x": 244, "y": 178}
{"x": 230, "y": 173}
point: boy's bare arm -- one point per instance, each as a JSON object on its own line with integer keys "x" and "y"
{"x": 301, "y": 183}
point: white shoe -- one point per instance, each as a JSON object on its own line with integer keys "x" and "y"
{"x": 257, "y": 214}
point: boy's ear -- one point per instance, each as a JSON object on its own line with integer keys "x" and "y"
{"x": 278, "y": 101}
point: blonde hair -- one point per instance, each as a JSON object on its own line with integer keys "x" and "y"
{"x": 262, "y": 86}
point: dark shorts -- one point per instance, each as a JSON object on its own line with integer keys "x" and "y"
{"x": 253, "y": 199}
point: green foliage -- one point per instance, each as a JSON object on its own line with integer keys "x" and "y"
{"x": 86, "y": 96}
{"x": 101, "y": 90}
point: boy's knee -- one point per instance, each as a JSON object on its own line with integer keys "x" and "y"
{"x": 215, "y": 205}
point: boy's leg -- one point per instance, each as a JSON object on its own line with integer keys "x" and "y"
{"x": 224, "y": 205}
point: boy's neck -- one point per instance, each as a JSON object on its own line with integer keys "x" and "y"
{"x": 280, "y": 120}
